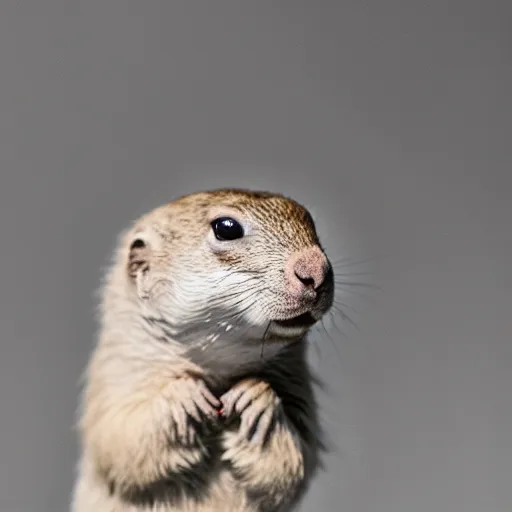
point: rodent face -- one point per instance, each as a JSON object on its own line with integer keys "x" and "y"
{"x": 232, "y": 259}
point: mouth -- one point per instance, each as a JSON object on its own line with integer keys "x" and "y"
{"x": 300, "y": 321}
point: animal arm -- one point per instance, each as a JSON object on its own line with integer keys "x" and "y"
{"x": 151, "y": 449}
{"x": 265, "y": 450}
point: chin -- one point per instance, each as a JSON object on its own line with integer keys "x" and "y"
{"x": 276, "y": 329}
{"x": 291, "y": 324}
{"x": 294, "y": 326}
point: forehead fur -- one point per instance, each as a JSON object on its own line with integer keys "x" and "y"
{"x": 274, "y": 211}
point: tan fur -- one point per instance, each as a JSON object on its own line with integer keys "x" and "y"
{"x": 185, "y": 331}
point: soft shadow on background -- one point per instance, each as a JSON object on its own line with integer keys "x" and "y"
{"x": 391, "y": 120}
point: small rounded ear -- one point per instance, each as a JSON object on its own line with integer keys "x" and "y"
{"x": 138, "y": 257}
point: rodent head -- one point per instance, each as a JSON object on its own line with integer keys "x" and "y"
{"x": 230, "y": 263}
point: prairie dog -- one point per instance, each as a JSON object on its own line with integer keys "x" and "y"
{"x": 198, "y": 395}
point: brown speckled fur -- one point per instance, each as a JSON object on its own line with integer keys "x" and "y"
{"x": 184, "y": 331}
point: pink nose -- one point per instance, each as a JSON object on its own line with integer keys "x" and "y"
{"x": 306, "y": 270}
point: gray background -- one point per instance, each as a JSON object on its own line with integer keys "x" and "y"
{"x": 391, "y": 119}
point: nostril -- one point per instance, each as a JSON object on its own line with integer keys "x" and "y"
{"x": 305, "y": 272}
{"x": 306, "y": 281}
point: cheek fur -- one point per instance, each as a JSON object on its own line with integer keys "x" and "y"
{"x": 203, "y": 296}
{"x": 201, "y": 301}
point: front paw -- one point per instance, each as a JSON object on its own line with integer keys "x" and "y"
{"x": 193, "y": 411}
{"x": 256, "y": 406}
{"x": 264, "y": 453}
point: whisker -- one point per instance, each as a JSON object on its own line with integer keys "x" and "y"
{"x": 251, "y": 291}
{"x": 229, "y": 315}
{"x": 222, "y": 298}
{"x": 357, "y": 284}
{"x": 350, "y": 274}
{"x": 230, "y": 275}
{"x": 313, "y": 335}
{"x": 255, "y": 291}
{"x": 263, "y": 339}
{"x": 337, "y": 327}
{"x": 343, "y": 304}
{"x": 345, "y": 317}
{"x": 358, "y": 289}
{"x": 345, "y": 262}
{"x": 254, "y": 275}
{"x": 332, "y": 341}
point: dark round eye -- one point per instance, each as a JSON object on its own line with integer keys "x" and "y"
{"x": 226, "y": 228}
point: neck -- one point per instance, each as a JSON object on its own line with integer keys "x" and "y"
{"x": 229, "y": 357}
{"x": 224, "y": 350}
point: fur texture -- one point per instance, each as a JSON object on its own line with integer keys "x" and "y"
{"x": 191, "y": 326}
